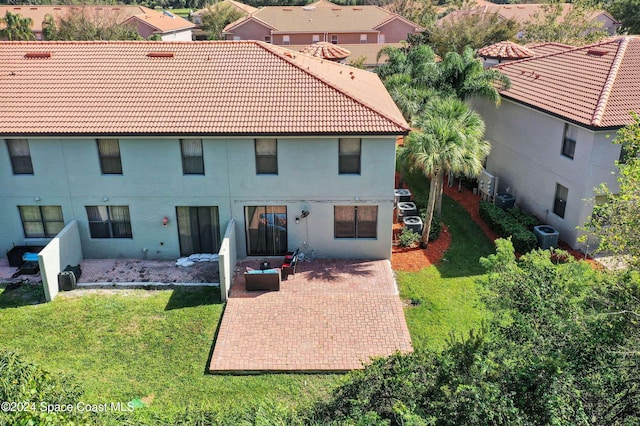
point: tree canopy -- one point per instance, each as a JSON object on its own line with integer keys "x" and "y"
{"x": 16, "y": 27}
{"x": 88, "y": 24}
{"x": 218, "y": 16}
{"x": 627, "y": 12}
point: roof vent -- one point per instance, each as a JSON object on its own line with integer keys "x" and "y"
{"x": 357, "y": 8}
{"x": 160, "y": 54}
{"x": 36, "y": 55}
{"x": 596, "y": 52}
{"x": 308, "y": 8}
{"x": 287, "y": 9}
{"x": 336, "y": 8}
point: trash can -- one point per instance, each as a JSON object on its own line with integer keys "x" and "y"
{"x": 68, "y": 279}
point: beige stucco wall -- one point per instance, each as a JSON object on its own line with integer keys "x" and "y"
{"x": 67, "y": 173}
{"x": 526, "y": 156}
{"x": 396, "y": 30}
{"x": 249, "y": 30}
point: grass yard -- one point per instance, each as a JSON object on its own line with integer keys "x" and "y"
{"x": 445, "y": 297}
{"x": 152, "y": 345}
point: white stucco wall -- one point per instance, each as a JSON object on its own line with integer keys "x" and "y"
{"x": 65, "y": 249}
{"x": 67, "y": 173}
{"x": 526, "y": 156}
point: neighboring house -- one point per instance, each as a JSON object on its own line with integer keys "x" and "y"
{"x": 196, "y": 17}
{"x": 147, "y": 21}
{"x": 524, "y": 13}
{"x": 552, "y": 136}
{"x": 153, "y": 147}
{"x": 322, "y": 21}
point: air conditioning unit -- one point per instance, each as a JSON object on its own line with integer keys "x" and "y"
{"x": 547, "y": 236}
{"x": 405, "y": 208}
{"x": 414, "y": 223}
{"x": 505, "y": 201}
{"x": 401, "y": 195}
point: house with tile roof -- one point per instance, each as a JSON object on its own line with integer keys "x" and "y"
{"x": 153, "y": 148}
{"x": 552, "y": 136}
{"x": 525, "y": 13}
{"x": 148, "y": 22}
{"x": 322, "y": 21}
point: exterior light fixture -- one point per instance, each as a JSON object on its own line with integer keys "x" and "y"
{"x": 165, "y": 221}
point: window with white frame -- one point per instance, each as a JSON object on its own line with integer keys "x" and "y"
{"x": 286, "y": 40}
{"x": 109, "y": 222}
{"x": 20, "y": 156}
{"x": 334, "y": 39}
{"x": 355, "y": 221}
{"x": 569, "y": 140}
{"x": 41, "y": 221}
{"x": 192, "y": 158}
{"x": 109, "y": 152}
{"x": 315, "y": 38}
{"x": 363, "y": 39}
{"x": 560, "y": 201}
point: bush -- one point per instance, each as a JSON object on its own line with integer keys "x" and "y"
{"x": 526, "y": 219}
{"x": 408, "y": 238}
{"x": 505, "y": 225}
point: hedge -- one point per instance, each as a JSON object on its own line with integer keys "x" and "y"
{"x": 506, "y": 225}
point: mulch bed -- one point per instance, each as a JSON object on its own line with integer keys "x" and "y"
{"x": 414, "y": 259}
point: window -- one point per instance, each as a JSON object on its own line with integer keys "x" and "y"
{"x": 363, "y": 39}
{"x": 198, "y": 230}
{"x": 349, "y": 156}
{"x": 266, "y": 156}
{"x": 560, "y": 203}
{"x": 109, "y": 222}
{"x": 355, "y": 221}
{"x": 41, "y": 221}
{"x": 192, "y": 161}
{"x": 569, "y": 141}
{"x": 334, "y": 39}
{"x": 381, "y": 38}
{"x": 109, "y": 151}
{"x": 315, "y": 38}
{"x": 236, "y": 38}
{"x": 267, "y": 39}
{"x": 623, "y": 155}
{"x": 20, "y": 156}
{"x": 286, "y": 40}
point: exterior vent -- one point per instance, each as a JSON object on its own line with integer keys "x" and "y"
{"x": 287, "y": 9}
{"x": 37, "y": 55}
{"x": 596, "y": 52}
{"x": 160, "y": 54}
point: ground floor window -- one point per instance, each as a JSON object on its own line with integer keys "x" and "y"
{"x": 109, "y": 221}
{"x": 41, "y": 221}
{"x": 355, "y": 221}
{"x": 266, "y": 230}
{"x": 560, "y": 202}
{"x": 198, "y": 229}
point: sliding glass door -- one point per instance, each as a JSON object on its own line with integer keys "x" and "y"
{"x": 266, "y": 230}
{"x": 198, "y": 230}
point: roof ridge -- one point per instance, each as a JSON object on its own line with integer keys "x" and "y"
{"x": 608, "y": 85}
{"x": 270, "y": 49}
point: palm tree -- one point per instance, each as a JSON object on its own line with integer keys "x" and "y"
{"x": 448, "y": 139}
{"x": 16, "y": 27}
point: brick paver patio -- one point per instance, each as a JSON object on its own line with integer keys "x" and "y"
{"x": 333, "y": 315}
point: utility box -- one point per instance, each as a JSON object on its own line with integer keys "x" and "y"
{"x": 414, "y": 223}
{"x": 404, "y": 209}
{"x": 505, "y": 201}
{"x": 546, "y": 235}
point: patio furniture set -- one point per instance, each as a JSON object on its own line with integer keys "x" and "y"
{"x": 268, "y": 278}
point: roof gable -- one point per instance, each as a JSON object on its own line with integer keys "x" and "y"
{"x": 595, "y": 85}
{"x": 204, "y": 88}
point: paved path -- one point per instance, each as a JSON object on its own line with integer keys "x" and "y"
{"x": 333, "y": 315}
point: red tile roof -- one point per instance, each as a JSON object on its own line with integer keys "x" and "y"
{"x": 203, "y": 88}
{"x": 325, "y": 50}
{"x": 505, "y": 50}
{"x": 595, "y": 85}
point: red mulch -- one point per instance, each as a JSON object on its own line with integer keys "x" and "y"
{"x": 414, "y": 259}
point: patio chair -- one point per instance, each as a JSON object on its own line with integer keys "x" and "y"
{"x": 290, "y": 262}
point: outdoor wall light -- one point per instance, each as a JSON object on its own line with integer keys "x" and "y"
{"x": 105, "y": 199}
{"x": 304, "y": 213}
{"x": 165, "y": 221}
{"x": 297, "y": 219}
{"x": 37, "y": 199}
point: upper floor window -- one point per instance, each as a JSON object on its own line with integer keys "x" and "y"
{"x": 266, "y": 156}
{"x": 355, "y": 221}
{"x": 20, "y": 156}
{"x": 569, "y": 140}
{"x": 267, "y": 39}
{"x": 41, "y": 221}
{"x": 109, "y": 221}
{"x": 363, "y": 38}
{"x": 334, "y": 39}
{"x": 315, "y": 38}
{"x": 623, "y": 155}
{"x": 349, "y": 156}
{"x": 286, "y": 40}
{"x": 381, "y": 38}
{"x": 192, "y": 159}
{"x": 560, "y": 202}
{"x": 109, "y": 151}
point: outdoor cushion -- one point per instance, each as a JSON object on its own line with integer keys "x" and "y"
{"x": 254, "y": 271}
{"x": 270, "y": 271}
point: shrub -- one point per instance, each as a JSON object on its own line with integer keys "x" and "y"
{"x": 526, "y": 219}
{"x": 506, "y": 225}
{"x": 436, "y": 224}
{"x": 408, "y": 238}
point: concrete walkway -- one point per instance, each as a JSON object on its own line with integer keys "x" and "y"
{"x": 332, "y": 316}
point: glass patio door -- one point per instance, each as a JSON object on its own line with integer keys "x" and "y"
{"x": 198, "y": 230}
{"x": 266, "y": 230}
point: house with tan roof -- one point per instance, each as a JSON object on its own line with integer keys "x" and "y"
{"x": 552, "y": 136}
{"x": 322, "y": 21}
{"x": 153, "y": 149}
{"x": 525, "y": 13}
{"x": 147, "y": 22}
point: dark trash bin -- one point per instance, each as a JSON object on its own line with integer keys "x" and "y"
{"x": 68, "y": 279}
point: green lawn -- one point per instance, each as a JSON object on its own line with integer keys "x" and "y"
{"x": 446, "y": 296}
{"x": 141, "y": 344}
